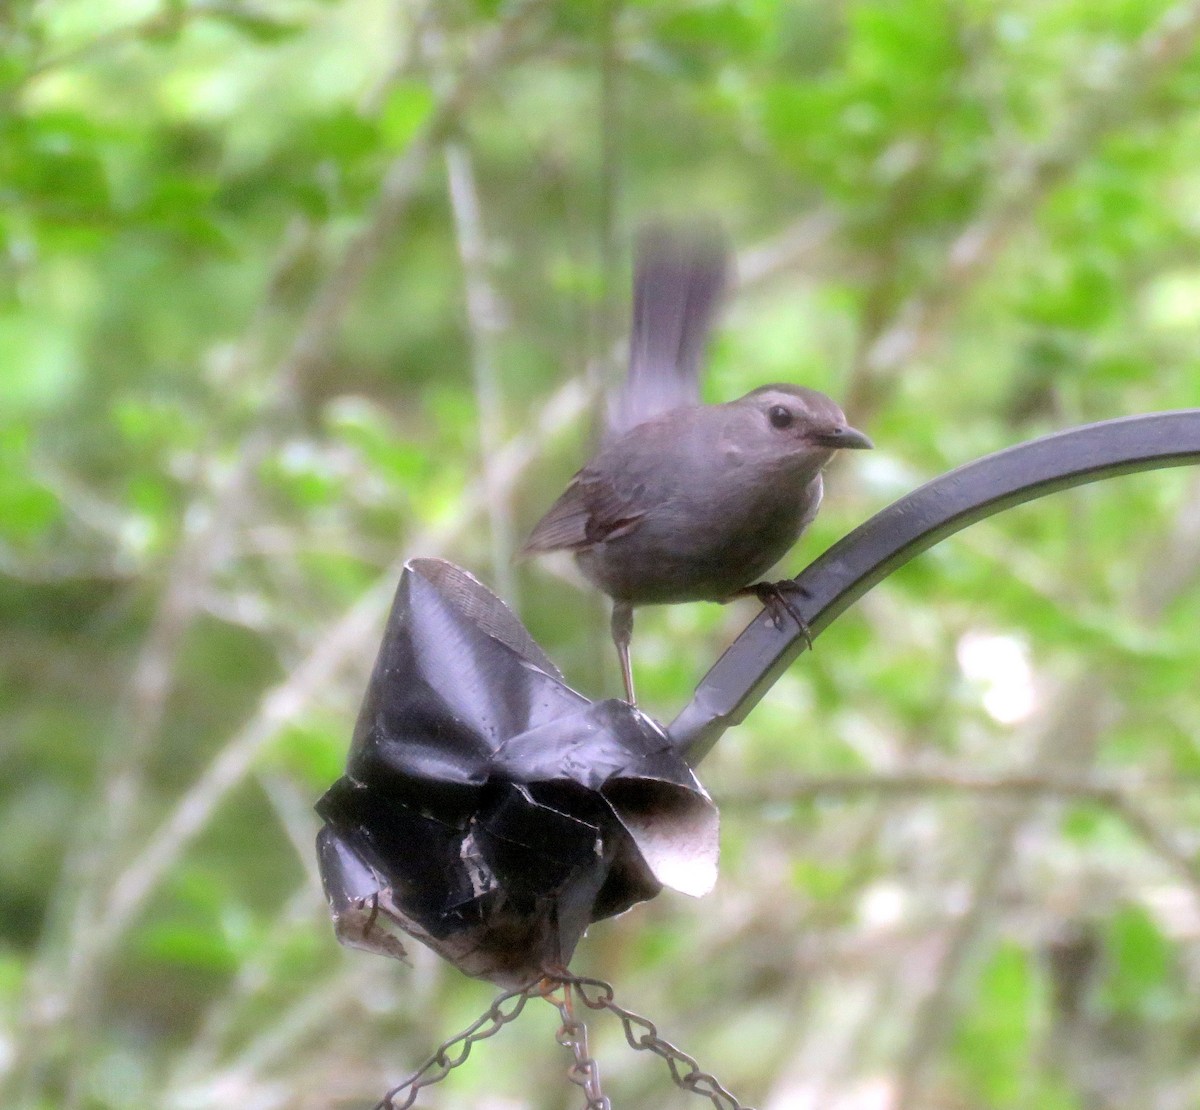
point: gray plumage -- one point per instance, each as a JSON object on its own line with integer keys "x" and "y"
{"x": 686, "y": 501}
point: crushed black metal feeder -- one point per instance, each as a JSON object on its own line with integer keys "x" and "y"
{"x": 490, "y": 811}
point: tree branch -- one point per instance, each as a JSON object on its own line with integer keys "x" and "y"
{"x": 1109, "y": 790}
{"x": 484, "y": 323}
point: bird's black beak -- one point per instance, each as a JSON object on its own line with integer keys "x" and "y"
{"x": 843, "y": 438}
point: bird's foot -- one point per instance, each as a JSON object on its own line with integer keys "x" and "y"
{"x": 775, "y": 599}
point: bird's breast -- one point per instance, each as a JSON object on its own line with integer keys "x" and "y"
{"x": 705, "y": 538}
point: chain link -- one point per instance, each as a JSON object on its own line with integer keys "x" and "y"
{"x": 640, "y": 1033}
{"x": 572, "y": 1034}
{"x": 453, "y": 1052}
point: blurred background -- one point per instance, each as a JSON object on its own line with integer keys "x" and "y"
{"x": 293, "y": 290}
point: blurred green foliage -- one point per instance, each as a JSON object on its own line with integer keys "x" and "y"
{"x": 255, "y": 350}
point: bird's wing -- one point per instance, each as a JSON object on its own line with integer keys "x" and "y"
{"x": 589, "y": 511}
{"x": 680, "y": 275}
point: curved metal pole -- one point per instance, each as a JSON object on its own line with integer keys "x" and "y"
{"x": 839, "y": 577}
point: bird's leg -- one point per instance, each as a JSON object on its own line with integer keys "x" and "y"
{"x": 622, "y": 633}
{"x": 774, "y": 598}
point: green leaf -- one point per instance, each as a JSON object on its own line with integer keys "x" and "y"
{"x": 404, "y": 112}
{"x": 1139, "y": 961}
{"x": 258, "y": 26}
{"x": 191, "y": 946}
{"x": 315, "y": 750}
{"x": 993, "y": 1037}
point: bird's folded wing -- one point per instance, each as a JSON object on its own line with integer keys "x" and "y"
{"x": 590, "y": 511}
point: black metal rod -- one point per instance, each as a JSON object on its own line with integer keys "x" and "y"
{"x": 838, "y": 578}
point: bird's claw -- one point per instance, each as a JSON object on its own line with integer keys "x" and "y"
{"x": 774, "y": 598}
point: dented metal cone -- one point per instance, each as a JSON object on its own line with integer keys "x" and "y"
{"x": 490, "y": 811}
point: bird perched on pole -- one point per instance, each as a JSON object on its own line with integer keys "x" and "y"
{"x": 686, "y": 501}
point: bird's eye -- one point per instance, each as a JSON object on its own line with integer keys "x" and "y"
{"x": 780, "y": 417}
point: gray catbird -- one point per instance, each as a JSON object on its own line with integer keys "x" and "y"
{"x": 687, "y": 501}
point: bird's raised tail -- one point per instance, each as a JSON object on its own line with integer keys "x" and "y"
{"x": 680, "y": 276}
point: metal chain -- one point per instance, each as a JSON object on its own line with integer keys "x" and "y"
{"x": 640, "y": 1033}
{"x": 572, "y": 1034}
{"x": 454, "y": 1051}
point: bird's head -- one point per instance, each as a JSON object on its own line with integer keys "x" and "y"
{"x": 787, "y": 420}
